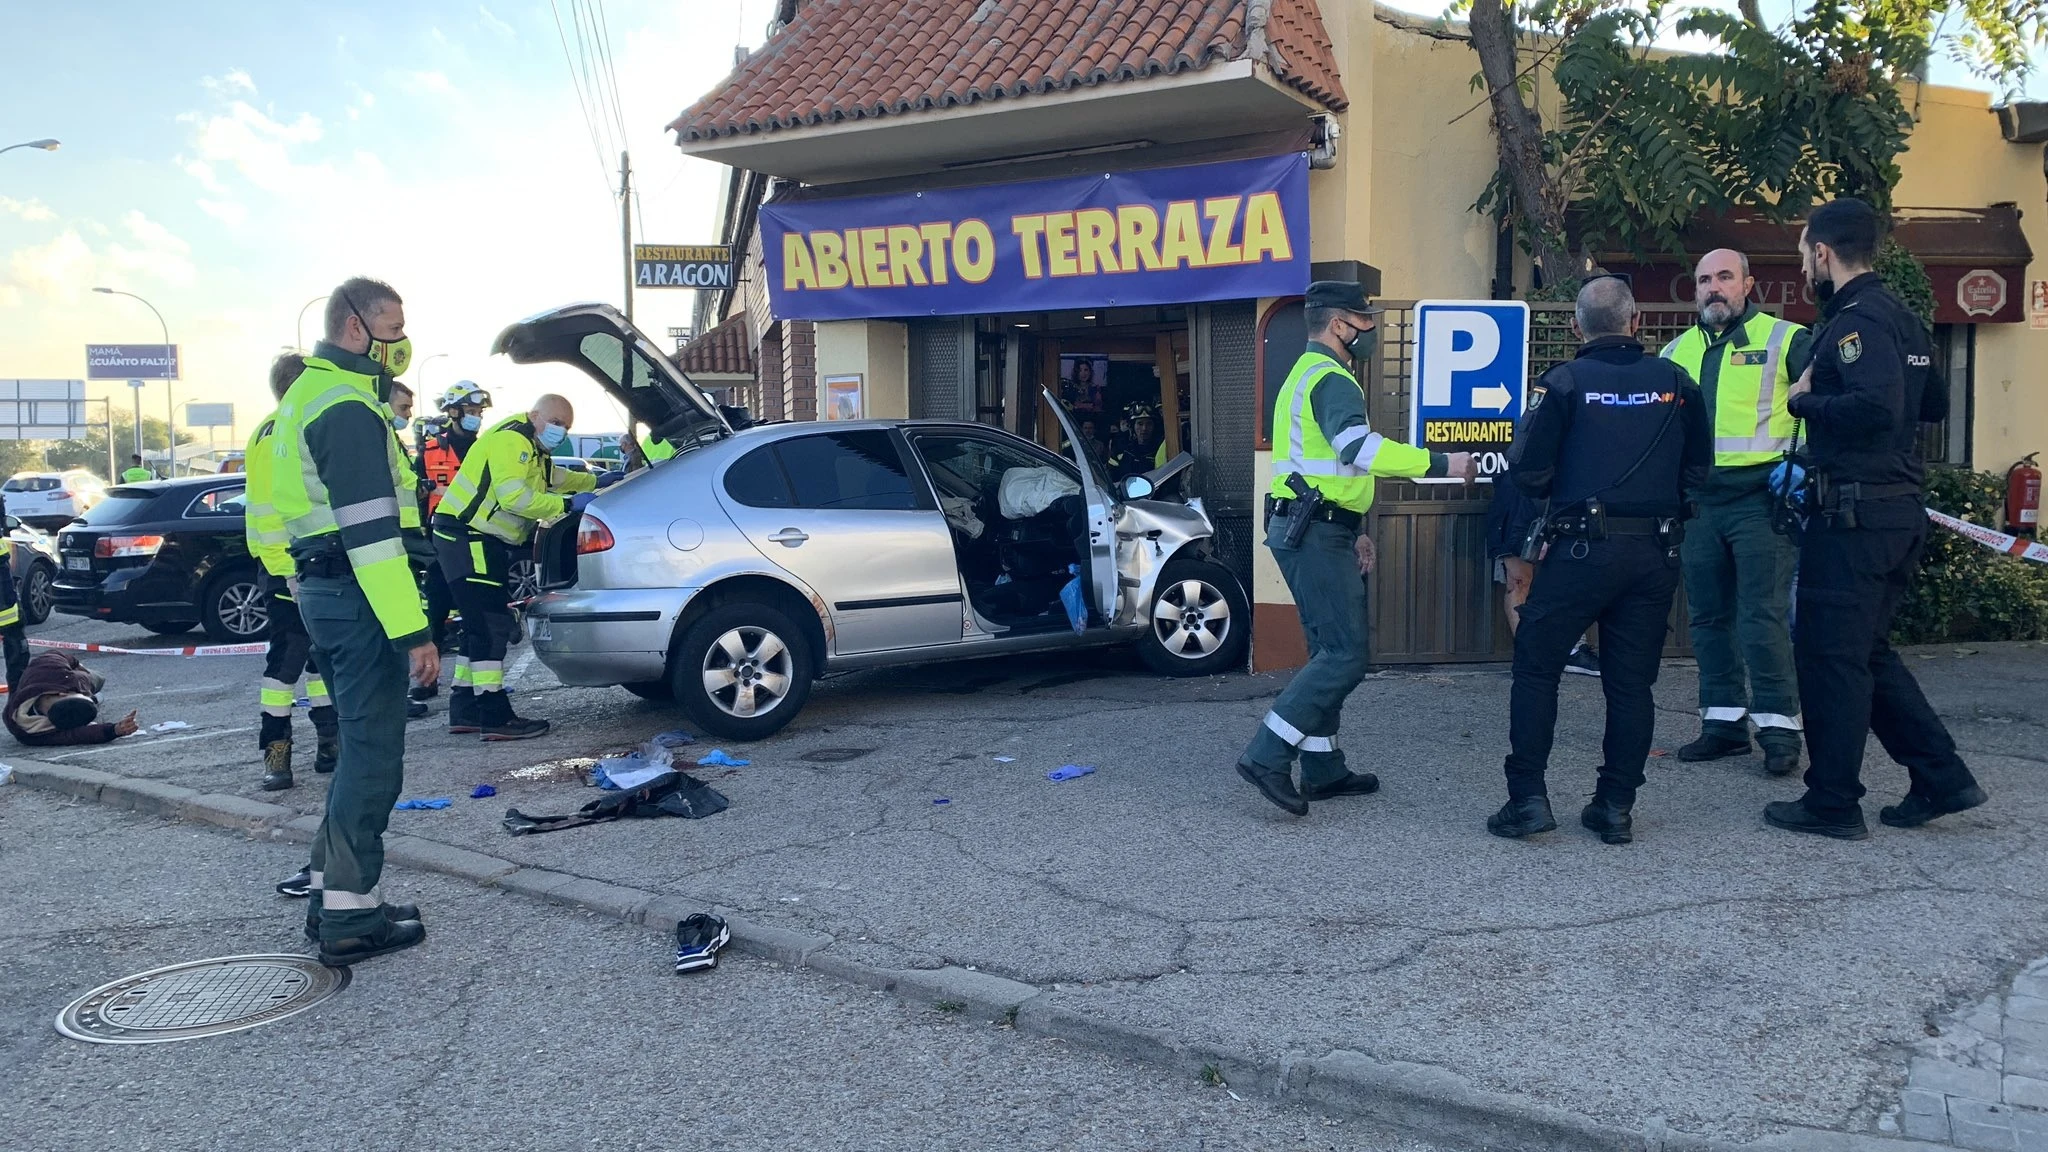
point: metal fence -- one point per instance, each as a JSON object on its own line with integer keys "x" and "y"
{"x": 1433, "y": 598}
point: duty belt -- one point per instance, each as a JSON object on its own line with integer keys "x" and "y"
{"x": 1276, "y": 509}
{"x": 329, "y": 564}
{"x": 1855, "y": 491}
{"x": 1613, "y": 526}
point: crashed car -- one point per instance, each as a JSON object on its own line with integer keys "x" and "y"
{"x": 730, "y": 576}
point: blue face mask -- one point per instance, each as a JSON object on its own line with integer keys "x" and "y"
{"x": 399, "y": 423}
{"x": 471, "y": 423}
{"x": 551, "y": 435}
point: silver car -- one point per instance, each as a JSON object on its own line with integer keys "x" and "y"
{"x": 732, "y": 575}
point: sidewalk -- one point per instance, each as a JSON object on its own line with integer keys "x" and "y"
{"x": 1715, "y": 979}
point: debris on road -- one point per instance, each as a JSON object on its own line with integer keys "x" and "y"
{"x": 431, "y": 802}
{"x": 481, "y": 791}
{"x": 169, "y": 726}
{"x": 699, "y": 936}
{"x": 669, "y": 794}
{"x": 1070, "y": 772}
{"x": 943, "y": 800}
{"x": 716, "y": 758}
{"x": 1006, "y": 759}
{"x": 673, "y": 738}
{"x": 6, "y": 773}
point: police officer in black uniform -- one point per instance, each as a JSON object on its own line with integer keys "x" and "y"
{"x": 1609, "y": 445}
{"x": 1872, "y": 379}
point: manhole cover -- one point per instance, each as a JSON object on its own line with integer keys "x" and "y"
{"x": 200, "y": 998}
{"x": 834, "y": 755}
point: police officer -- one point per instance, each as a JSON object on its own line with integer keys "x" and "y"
{"x": 1323, "y": 442}
{"x": 338, "y": 483}
{"x": 1738, "y": 572}
{"x": 462, "y": 408}
{"x": 1606, "y": 443}
{"x": 1872, "y": 379}
{"x": 506, "y": 485}
{"x": 291, "y": 654}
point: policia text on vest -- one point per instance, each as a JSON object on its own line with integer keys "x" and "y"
{"x": 1738, "y": 572}
{"x": 1323, "y": 445}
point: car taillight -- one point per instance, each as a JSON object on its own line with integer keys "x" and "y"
{"x": 109, "y": 547}
{"x": 592, "y": 536}
{"x": 63, "y": 494}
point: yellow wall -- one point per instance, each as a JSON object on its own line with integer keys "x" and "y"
{"x": 1958, "y": 159}
{"x": 876, "y": 350}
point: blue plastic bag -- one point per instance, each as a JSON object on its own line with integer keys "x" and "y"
{"x": 1076, "y": 604}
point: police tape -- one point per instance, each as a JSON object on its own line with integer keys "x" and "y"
{"x": 190, "y": 650}
{"x": 1996, "y": 541}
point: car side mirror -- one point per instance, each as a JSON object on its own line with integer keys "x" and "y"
{"x": 1136, "y": 487}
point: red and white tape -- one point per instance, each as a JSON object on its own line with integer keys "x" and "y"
{"x": 1996, "y": 541}
{"x": 190, "y": 650}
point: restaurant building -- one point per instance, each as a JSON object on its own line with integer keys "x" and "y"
{"x": 948, "y": 207}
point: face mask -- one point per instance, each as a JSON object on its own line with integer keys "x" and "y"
{"x": 394, "y": 355}
{"x": 1823, "y": 290}
{"x": 1363, "y": 345}
{"x": 552, "y": 435}
{"x": 399, "y": 423}
{"x": 470, "y": 423}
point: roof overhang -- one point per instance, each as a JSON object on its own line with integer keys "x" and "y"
{"x": 1223, "y": 99}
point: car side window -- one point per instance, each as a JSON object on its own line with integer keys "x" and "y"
{"x": 219, "y": 502}
{"x": 848, "y": 470}
{"x": 756, "y": 480}
{"x": 966, "y": 465}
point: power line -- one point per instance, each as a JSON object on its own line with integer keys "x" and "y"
{"x": 611, "y": 70}
{"x": 580, "y": 15}
{"x": 582, "y": 102}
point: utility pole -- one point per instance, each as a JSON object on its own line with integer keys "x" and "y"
{"x": 136, "y": 385}
{"x": 626, "y": 226}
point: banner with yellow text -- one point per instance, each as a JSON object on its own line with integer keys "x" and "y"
{"x": 1227, "y": 231}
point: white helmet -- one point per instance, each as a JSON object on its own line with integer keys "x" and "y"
{"x": 464, "y": 392}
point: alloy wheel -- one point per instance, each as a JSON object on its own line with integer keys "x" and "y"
{"x": 242, "y": 611}
{"x": 747, "y": 671}
{"x": 1191, "y": 619}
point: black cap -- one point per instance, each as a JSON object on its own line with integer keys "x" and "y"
{"x": 68, "y": 712}
{"x": 1340, "y": 294}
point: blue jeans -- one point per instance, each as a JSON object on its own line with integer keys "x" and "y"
{"x": 367, "y": 679}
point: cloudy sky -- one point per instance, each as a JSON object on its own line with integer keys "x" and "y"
{"x": 232, "y": 160}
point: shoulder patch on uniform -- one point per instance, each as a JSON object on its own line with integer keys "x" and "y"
{"x": 1850, "y": 348}
{"x": 525, "y": 456}
{"x": 1536, "y": 395}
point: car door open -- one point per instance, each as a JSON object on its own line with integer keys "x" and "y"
{"x": 1095, "y": 492}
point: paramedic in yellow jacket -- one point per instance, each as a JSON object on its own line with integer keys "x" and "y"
{"x": 507, "y": 484}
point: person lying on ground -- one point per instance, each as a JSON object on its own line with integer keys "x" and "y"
{"x": 57, "y": 702}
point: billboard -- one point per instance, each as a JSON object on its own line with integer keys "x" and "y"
{"x": 42, "y": 410}
{"x": 131, "y": 362}
{"x": 209, "y": 415}
{"x": 1233, "y": 230}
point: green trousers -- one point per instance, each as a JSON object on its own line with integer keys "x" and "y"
{"x": 1738, "y": 591}
{"x": 1330, "y": 595}
{"x": 367, "y": 679}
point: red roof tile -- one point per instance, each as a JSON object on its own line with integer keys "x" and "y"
{"x": 852, "y": 60}
{"x": 723, "y": 351}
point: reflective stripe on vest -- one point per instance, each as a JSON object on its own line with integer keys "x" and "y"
{"x": 478, "y": 496}
{"x": 1299, "y": 445}
{"x": 262, "y": 526}
{"x": 1751, "y": 423}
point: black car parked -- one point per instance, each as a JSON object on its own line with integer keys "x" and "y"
{"x": 167, "y": 554}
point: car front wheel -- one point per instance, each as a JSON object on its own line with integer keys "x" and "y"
{"x": 1200, "y": 623}
{"x": 36, "y": 594}
{"x": 232, "y": 608}
{"x": 742, "y": 671}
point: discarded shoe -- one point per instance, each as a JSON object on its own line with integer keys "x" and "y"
{"x": 1917, "y": 809}
{"x": 699, "y": 936}
{"x": 277, "y": 766}
{"x": 1352, "y": 784}
{"x": 1795, "y": 816}
{"x": 1519, "y": 818}
{"x": 297, "y": 887}
{"x": 1274, "y": 786}
{"x": 388, "y": 938}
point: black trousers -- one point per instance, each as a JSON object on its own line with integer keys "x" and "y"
{"x": 440, "y": 600}
{"x": 13, "y": 633}
{"x": 1624, "y": 584}
{"x": 475, "y": 566}
{"x": 1851, "y": 682}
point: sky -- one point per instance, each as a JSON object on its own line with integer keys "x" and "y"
{"x": 233, "y": 160}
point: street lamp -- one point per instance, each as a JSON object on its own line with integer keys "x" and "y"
{"x": 422, "y": 377}
{"x": 170, "y": 407}
{"x": 302, "y": 320}
{"x": 45, "y": 145}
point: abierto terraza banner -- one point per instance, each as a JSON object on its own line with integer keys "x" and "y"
{"x": 1226, "y": 231}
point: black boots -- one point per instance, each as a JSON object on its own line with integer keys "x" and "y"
{"x": 1352, "y": 784}
{"x": 1917, "y": 809}
{"x": 1609, "y": 816}
{"x": 1519, "y": 818}
{"x": 389, "y": 937}
{"x": 277, "y": 766}
{"x": 393, "y": 914}
{"x": 462, "y": 711}
{"x": 497, "y": 721}
{"x": 1275, "y": 786}
{"x": 1713, "y": 745}
{"x": 1795, "y": 816}
{"x": 327, "y": 753}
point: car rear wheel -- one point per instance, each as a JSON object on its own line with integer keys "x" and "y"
{"x": 742, "y": 671}
{"x": 232, "y": 608}
{"x": 1200, "y": 621}
{"x": 36, "y": 592}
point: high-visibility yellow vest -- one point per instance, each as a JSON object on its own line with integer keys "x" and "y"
{"x": 381, "y": 567}
{"x": 136, "y": 475}
{"x": 1751, "y": 388}
{"x": 262, "y": 526}
{"x": 507, "y": 484}
{"x": 408, "y": 487}
{"x": 657, "y": 449}
{"x": 1299, "y": 444}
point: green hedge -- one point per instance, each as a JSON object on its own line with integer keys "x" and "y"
{"x": 1965, "y": 590}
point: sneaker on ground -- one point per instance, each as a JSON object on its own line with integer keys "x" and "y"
{"x": 699, "y": 936}
{"x": 297, "y": 887}
{"x": 1583, "y": 661}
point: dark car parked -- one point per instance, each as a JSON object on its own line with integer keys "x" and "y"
{"x": 167, "y": 554}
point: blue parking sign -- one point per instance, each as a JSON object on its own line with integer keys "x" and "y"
{"x": 1471, "y": 377}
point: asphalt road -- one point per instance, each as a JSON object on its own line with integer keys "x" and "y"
{"x": 518, "y": 1025}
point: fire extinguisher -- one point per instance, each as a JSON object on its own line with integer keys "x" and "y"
{"x": 2023, "y": 496}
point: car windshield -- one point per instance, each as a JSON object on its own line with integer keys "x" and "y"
{"x": 122, "y": 506}
{"x": 30, "y": 484}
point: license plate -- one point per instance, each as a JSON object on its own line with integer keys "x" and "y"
{"x": 78, "y": 563}
{"x": 538, "y": 628}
